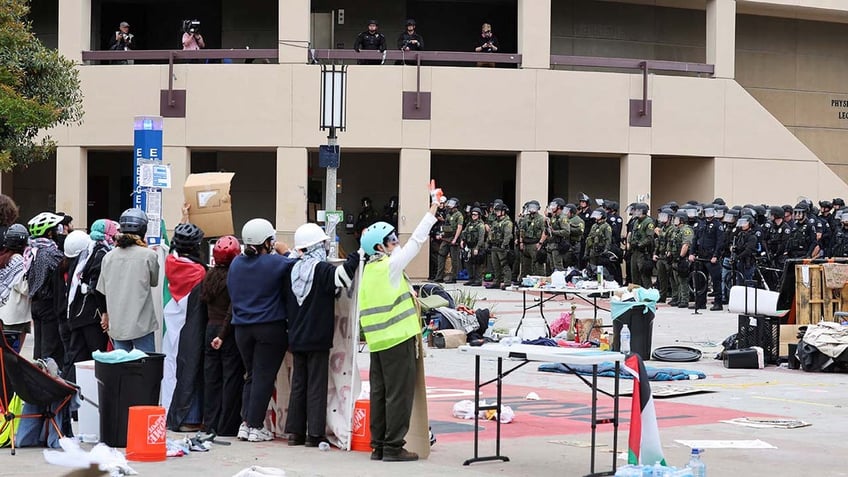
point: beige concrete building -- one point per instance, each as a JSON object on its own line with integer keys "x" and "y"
{"x": 743, "y": 99}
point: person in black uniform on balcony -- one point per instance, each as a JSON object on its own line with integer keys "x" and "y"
{"x": 409, "y": 41}
{"x": 370, "y": 39}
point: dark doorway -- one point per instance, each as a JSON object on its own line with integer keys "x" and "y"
{"x": 110, "y": 178}
{"x": 475, "y": 178}
{"x": 157, "y": 25}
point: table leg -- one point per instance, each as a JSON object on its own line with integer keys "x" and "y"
{"x": 478, "y": 408}
{"x": 523, "y": 310}
{"x": 594, "y": 415}
{"x": 615, "y": 416}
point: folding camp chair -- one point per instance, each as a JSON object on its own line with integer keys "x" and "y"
{"x": 34, "y": 386}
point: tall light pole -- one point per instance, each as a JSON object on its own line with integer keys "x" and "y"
{"x": 333, "y": 117}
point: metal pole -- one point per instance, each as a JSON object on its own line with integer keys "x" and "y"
{"x": 330, "y": 196}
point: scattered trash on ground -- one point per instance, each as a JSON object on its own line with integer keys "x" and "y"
{"x": 465, "y": 410}
{"x": 762, "y": 423}
{"x": 532, "y": 396}
{"x": 71, "y": 455}
{"x": 256, "y": 471}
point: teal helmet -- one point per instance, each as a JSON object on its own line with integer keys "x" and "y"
{"x": 374, "y": 236}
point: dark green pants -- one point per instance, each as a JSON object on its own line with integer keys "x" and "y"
{"x": 529, "y": 266}
{"x": 640, "y": 271}
{"x": 445, "y": 250}
{"x": 502, "y": 270}
{"x": 664, "y": 279}
{"x": 393, "y": 374}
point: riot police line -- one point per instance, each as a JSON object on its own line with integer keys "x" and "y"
{"x": 689, "y": 252}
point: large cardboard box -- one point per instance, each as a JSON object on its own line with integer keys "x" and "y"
{"x": 208, "y": 194}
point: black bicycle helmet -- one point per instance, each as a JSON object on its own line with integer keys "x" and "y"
{"x": 17, "y": 237}
{"x": 187, "y": 236}
{"x": 133, "y": 221}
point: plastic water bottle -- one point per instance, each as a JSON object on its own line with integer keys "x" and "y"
{"x": 699, "y": 469}
{"x": 625, "y": 339}
{"x": 323, "y": 446}
{"x": 660, "y": 470}
{"x": 490, "y": 329}
{"x": 600, "y": 276}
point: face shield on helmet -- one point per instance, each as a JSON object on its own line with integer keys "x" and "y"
{"x": 636, "y": 211}
{"x": 597, "y": 214}
{"x": 729, "y": 218}
{"x": 676, "y": 220}
{"x": 532, "y": 207}
{"x": 799, "y": 214}
{"x": 719, "y": 213}
{"x": 691, "y": 212}
{"x": 451, "y": 203}
{"x": 744, "y": 222}
{"x": 709, "y": 212}
{"x": 662, "y": 217}
{"x": 843, "y": 217}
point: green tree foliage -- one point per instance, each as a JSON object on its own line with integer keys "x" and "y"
{"x": 39, "y": 89}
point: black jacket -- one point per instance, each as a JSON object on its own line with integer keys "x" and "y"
{"x": 367, "y": 41}
{"x": 87, "y": 307}
{"x": 403, "y": 41}
{"x": 746, "y": 247}
{"x": 312, "y": 324}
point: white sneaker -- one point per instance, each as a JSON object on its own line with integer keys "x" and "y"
{"x": 259, "y": 434}
{"x": 243, "y": 432}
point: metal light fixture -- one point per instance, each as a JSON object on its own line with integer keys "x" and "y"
{"x": 333, "y": 98}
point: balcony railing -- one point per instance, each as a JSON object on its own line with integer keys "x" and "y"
{"x": 632, "y": 64}
{"x": 169, "y": 56}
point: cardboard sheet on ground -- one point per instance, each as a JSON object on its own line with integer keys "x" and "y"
{"x": 670, "y": 391}
{"x": 762, "y": 423}
{"x": 729, "y": 444}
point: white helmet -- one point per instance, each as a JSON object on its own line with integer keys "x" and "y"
{"x": 257, "y": 231}
{"x": 76, "y": 242}
{"x": 308, "y": 235}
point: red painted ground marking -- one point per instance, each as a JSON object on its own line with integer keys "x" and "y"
{"x": 557, "y": 413}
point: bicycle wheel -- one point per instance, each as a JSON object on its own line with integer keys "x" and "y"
{"x": 697, "y": 282}
{"x": 734, "y": 278}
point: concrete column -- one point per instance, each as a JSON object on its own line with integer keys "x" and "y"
{"x": 721, "y": 37}
{"x": 635, "y": 179}
{"x": 531, "y": 178}
{"x": 413, "y": 202}
{"x": 74, "y": 28}
{"x": 294, "y": 24}
{"x": 172, "y": 199}
{"x": 292, "y": 170}
{"x": 534, "y": 33}
{"x": 72, "y": 183}
{"x": 6, "y": 184}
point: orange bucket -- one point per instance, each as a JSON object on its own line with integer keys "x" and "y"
{"x": 360, "y": 437}
{"x": 146, "y": 433}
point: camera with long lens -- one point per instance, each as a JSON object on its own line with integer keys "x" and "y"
{"x": 191, "y": 27}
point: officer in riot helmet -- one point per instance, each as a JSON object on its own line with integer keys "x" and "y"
{"x": 617, "y": 225}
{"x": 803, "y": 241}
{"x": 577, "y": 235}
{"x": 679, "y": 249}
{"x": 745, "y": 248}
{"x": 450, "y": 246}
{"x": 531, "y": 235}
{"x": 663, "y": 238}
{"x": 641, "y": 247}
{"x": 776, "y": 236}
{"x": 584, "y": 211}
{"x": 708, "y": 249}
{"x": 557, "y": 231}
{"x": 599, "y": 240}
{"x": 839, "y": 244}
{"x": 501, "y": 239}
{"x": 474, "y": 239}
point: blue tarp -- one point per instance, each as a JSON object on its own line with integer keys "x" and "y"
{"x": 607, "y": 369}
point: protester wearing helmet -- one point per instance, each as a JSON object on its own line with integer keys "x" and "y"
{"x": 184, "y": 331}
{"x": 679, "y": 250}
{"x": 45, "y": 257}
{"x": 223, "y": 370}
{"x": 311, "y": 289}
{"x": 450, "y": 244}
{"x": 392, "y": 330}
{"x": 255, "y": 283}
{"x": 127, "y": 276}
{"x": 557, "y": 233}
{"x": 474, "y": 238}
{"x": 15, "y": 312}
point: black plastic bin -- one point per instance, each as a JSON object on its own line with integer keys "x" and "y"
{"x": 122, "y": 385}
{"x": 641, "y": 324}
{"x": 762, "y": 331}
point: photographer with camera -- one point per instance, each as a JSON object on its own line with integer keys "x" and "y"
{"x": 410, "y": 40}
{"x": 192, "y": 39}
{"x": 487, "y": 43}
{"x": 122, "y": 41}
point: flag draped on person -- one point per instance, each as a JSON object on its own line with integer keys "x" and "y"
{"x": 644, "y": 445}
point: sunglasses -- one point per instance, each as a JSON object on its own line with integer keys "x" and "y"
{"x": 391, "y": 238}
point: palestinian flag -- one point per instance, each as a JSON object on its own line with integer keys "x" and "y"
{"x": 644, "y": 445}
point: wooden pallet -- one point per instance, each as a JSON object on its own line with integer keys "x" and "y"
{"x": 815, "y": 302}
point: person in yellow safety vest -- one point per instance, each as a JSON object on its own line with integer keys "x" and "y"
{"x": 391, "y": 326}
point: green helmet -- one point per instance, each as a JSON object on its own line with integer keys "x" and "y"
{"x": 42, "y": 223}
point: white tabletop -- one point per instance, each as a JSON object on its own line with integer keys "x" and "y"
{"x": 553, "y": 354}
{"x": 576, "y": 291}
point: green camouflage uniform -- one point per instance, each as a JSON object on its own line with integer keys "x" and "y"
{"x": 474, "y": 236}
{"x": 501, "y": 241}
{"x": 642, "y": 259}
{"x": 663, "y": 235}
{"x": 558, "y": 243}
{"x": 684, "y": 236}
{"x": 578, "y": 229}
{"x": 453, "y": 222}
{"x": 598, "y": 241}
{"x": 530, "y": 230}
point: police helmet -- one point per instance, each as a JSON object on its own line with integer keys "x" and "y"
{"x": 599, "y": 213}
{"x": 748, "y": 211}
{"x": 746, "y": 219}
{"x": 719, "y": 201}
{"x": 709, "y": 211}
{"x": 787, "y": 208}
{"x": 500, "y": 207}
{"x": 737, "y": 208}
{"x": 476, "y": 210}
{"x": 373, "y": 22}
{"x": 673, "y": 205}
{"x": 571, "y": 208}
{"x": 452, "y": 202}
{"x": 533, "y": 206}
{"x": 665, "y": 215}
{"x": 557, "y": 203}
{"x": 682, "y": 216}
{"x": 582, "y": 197}
{"x": 497, "y": 201}
{"x": 843, "y": 217}
{"x": 410, "y": 21}
{"x": 825, "y": 204}
{"x": 720, "y": 210}
{"x": 692, "y": 202}
{"x": 690, "y": 210}
{"x": 776, "y": 211}
{"x": 730, "y": 216}
{"x": 612, "y": 205}
{"x": 838, "y": 201}
{"x": 760, "y": 210}
{"x": 801, "y": 207}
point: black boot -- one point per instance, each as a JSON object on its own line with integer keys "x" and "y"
{"x": 401, "y": 455}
